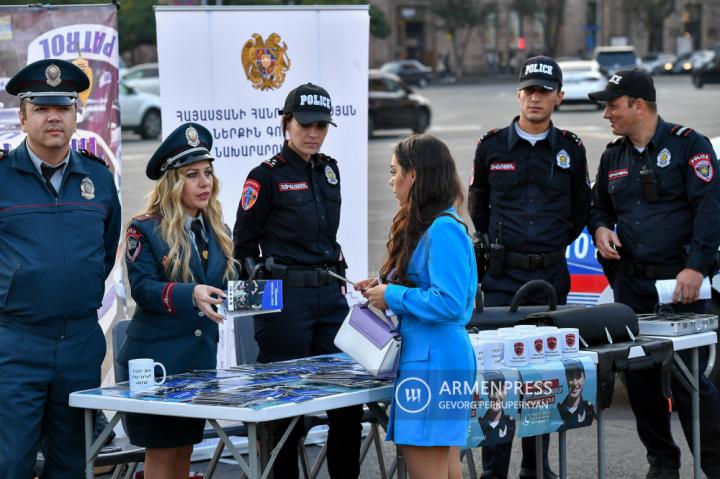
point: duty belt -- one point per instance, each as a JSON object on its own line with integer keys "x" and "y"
{"x": 306, "y": 276}
{"x": 649, "y": 271}
{"x": 532, "y": 262}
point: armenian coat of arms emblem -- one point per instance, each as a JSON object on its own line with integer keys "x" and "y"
{"x": 265, "y": 62}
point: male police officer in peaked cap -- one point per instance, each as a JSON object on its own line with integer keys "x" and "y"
{"x": 529, "y": 198}
{"x": 59, "y": 231}
{"x": 657, "y": 184}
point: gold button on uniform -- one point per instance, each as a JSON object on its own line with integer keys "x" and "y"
{"x": 198, "y": 332}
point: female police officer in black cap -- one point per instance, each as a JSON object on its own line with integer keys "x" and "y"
{"x": 178, "y": 255}
{"x": 290, "y": 210}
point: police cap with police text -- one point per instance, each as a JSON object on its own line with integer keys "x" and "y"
{"x": 187, "y": 144}
{"x": 48, "y": 82}
{"x": 540, "y": 71}
{"x": 633, "y": 82}
{"x": 309, "y": 103}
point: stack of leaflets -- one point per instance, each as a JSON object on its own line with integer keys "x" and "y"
{"x": 251, "y": 297}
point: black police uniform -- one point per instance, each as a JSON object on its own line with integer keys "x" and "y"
{"x": 582, "y": 415}
{"x": 290, "y": 209}
{"x": 531, "y": 201}
{"x": 664, "y": 202}
{"x": 57, "y": 247}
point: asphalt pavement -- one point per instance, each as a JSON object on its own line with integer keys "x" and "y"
{"x": 461, "y": 114}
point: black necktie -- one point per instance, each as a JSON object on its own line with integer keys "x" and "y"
{"x": 196, "y": 227}
{"x": 47, "y": 173}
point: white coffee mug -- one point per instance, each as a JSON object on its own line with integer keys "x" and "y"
{"x": 553, "y": 348}
{"x": 142, "y": 374}
{"x": 493, "y": 352}
{"x": 516, "y": 350}
{"x": 536, "y": 343}
{"x": 569, "y": 341}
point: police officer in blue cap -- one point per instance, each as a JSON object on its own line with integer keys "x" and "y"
{"x": 59, "y": 232}
{"x": 178, "y": 256}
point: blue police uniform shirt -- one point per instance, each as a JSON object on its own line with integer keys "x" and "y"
{"x": 56, "y": 178}
{"x": 682, "y": 226}
{"x": 533, "y": 198}
{"x": 55, "y": 253}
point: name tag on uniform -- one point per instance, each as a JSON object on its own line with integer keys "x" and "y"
{"x": 617, "y": 174}
{"x": 300, "y": 186}
{"x": 505, "y": 166}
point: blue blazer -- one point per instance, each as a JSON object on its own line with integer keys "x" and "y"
{"x": 436, "y": 348}
{"x": 166, "y": 326}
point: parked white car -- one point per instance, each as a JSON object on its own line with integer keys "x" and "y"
{"x": 144, "y": 77}
{"x": 140, "y": 111}
{"x": 580, "y": 78}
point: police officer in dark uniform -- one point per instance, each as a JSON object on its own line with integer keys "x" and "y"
{"x": 497, "y": 427}
{"x": 529, "y": 198}
{"x": 287, "y": 222}
{"x": 59, "y": 232}
{"x": 574, "y": 410}
{"x": 657, "y": 185}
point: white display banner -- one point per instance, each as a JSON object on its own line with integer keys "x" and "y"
{"x": 230, "y": 69}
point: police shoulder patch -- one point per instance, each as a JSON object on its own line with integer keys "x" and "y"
{"x": 488, "y": 134}
{"x": 133, "y": 245}
{"x": 93, "y": 157}
{"x": 3, "y": 154}
{"x": 572, "y": 137}
{"x": 681, "y": 131}
{"x": 274, "y": 162}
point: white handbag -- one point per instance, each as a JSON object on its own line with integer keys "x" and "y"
{"x": 371, "y": 338}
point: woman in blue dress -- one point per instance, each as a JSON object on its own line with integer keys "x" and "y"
{"x": 429, "y": 280}
{"x": 178, "y": 254}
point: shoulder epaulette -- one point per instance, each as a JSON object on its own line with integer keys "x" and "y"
{"x": 142, "y": 218}
{"x": 93, "y": 157}
{"x": 572, "y": 137}
{"x": 681, "y": 131}
{"x": 616, "y": 141}
{"x": 3, "y": 154}
{"x": 274, "y": 162}
{"x": 488, "y": 134}
{"x": 329, "y": 159}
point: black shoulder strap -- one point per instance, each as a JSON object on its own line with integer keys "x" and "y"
{"x": 488, "y": 134}
{"x": 573, "y": 137}
{"x": 275, "y": 162}
{"x": 681, "y": 131}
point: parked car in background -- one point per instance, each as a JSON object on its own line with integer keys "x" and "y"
{"x": 707, "y": 73}
{"x": 580, "y": 78}
{"x": 144, "y": 77}
{"x": 140, "y": 112}
{"x": 612, "y": 59}
{"x": 393, "y": 104}
{"x": 410, "y": 71}
{"x": 654, "y": 63}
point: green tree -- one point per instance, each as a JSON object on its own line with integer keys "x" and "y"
{"x": 136, "y": 25}
{"x": 554, "y": 11}
{"x": 652, "y": 13}
{"x": 459, "y": 19}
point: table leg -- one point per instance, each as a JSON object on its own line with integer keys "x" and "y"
{"x": 562, "y": 440}
{"x": 539, "y": 466}
{"x": 696, "y": 412}
{"x": 231, "y": 447}
{"x": 89, "y": 457}
{"x": 253, "y": 458}
{"x": 601, "y": 443}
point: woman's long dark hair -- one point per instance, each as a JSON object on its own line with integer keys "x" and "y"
{"x": 436, "y": 188}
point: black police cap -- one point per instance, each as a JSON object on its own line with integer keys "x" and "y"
{"x": 309, "y": 103}
{"x": 633, "y": 82}
{"x": 540, "y": 71}
{"x": 49, "y": 82}
{"x": 187, "y": 144}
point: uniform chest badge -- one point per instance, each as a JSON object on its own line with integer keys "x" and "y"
{"x": 663, "y": 158}
{"x": 330, "y": 175}
{"x": 87, "y": 188}
{"x": 250, "y": 193}
{"x": 563, "y": 159}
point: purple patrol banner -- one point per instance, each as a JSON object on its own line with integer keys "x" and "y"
{"x": 87, "y": 36}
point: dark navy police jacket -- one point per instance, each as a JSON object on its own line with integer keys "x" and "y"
{"x": 55, "y": 253}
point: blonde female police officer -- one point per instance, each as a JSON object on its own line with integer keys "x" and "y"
{"x": 178, "y": 256}
{"x": 290, "y": 208}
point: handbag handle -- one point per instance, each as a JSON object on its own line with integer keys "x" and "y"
{"x": 536, "y": 283}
